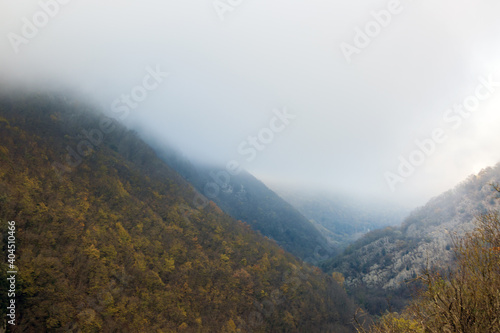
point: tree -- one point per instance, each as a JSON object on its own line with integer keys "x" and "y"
{"x": 339, "y": 277}
{"x": 464, "y": 299}
{"x": 468, "y": 298}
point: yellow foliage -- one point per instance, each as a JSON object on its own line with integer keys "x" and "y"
{"x": 122, "y": 233}
{"x": 230, "y": 327}
{"x": 92, "y": 252}
{"x": 339, "y": 277}
{"x": 4, "y": 150}
{"x": 395, "y": 323}
{"x": 139, "y": 261}
{"x": 52, "y": 323}
{"x": 169, "y": 265}
{"x": 120, "y": 190}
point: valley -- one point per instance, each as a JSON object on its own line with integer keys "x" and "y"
{"x": 233, "y": 166}
{"x": 131, "y": 230}
{"x": 117, "y": 244}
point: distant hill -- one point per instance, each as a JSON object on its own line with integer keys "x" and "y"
{"x": 378, "y": 265}
{"x": 246, "y": 198}
{"x": 340, "y": 218}
{"x": 108, "y": 239}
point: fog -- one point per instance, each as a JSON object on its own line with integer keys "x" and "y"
{"x": 317, "y": 94}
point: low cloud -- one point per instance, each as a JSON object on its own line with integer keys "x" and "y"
{"x": 226, "y": 76}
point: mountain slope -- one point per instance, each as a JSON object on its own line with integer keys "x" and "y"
{"x": 246, "y": 198}
{"x": 378, "y": 265}
{"x": 108, "y": 239}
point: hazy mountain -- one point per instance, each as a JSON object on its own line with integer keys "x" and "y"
{"x": 246, "y": 198}
{"x": 378, "y": 265}
{"x": 108, "y": 239}
{"x": 342, "y": 218}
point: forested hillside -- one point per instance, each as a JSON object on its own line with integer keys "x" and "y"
{"x": 462, "y": 298}
{"x": 108, "y": 239}
{"x": 378, "y": 266}
{"x": 246, "y": 198}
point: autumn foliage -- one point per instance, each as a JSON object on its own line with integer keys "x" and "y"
{"x": 116, "y": 244}
{"x": 463, "y": 299}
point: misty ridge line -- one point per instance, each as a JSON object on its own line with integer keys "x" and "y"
{"x": 251, "y": 146}
{"x": 121, "y": 108}
{"x": 248, "y": 149}
{"x": 454, "y": 117}
{"x": 123, "y": 104}
{"x": 49, "y": 9}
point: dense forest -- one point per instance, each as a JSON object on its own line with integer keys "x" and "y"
{"x": 245, "y": 198}
{"x": 462, "y": 298}
{"x": 108, "y": 238}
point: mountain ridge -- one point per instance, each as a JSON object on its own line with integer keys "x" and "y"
{"x": 380, "y": 264}
{"x": 246, "y": 198}
{"x": 114, "y": 243}
{"x": 341, "y": 218}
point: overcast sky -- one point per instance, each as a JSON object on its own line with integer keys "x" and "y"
{"x": 358, "y": 102}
